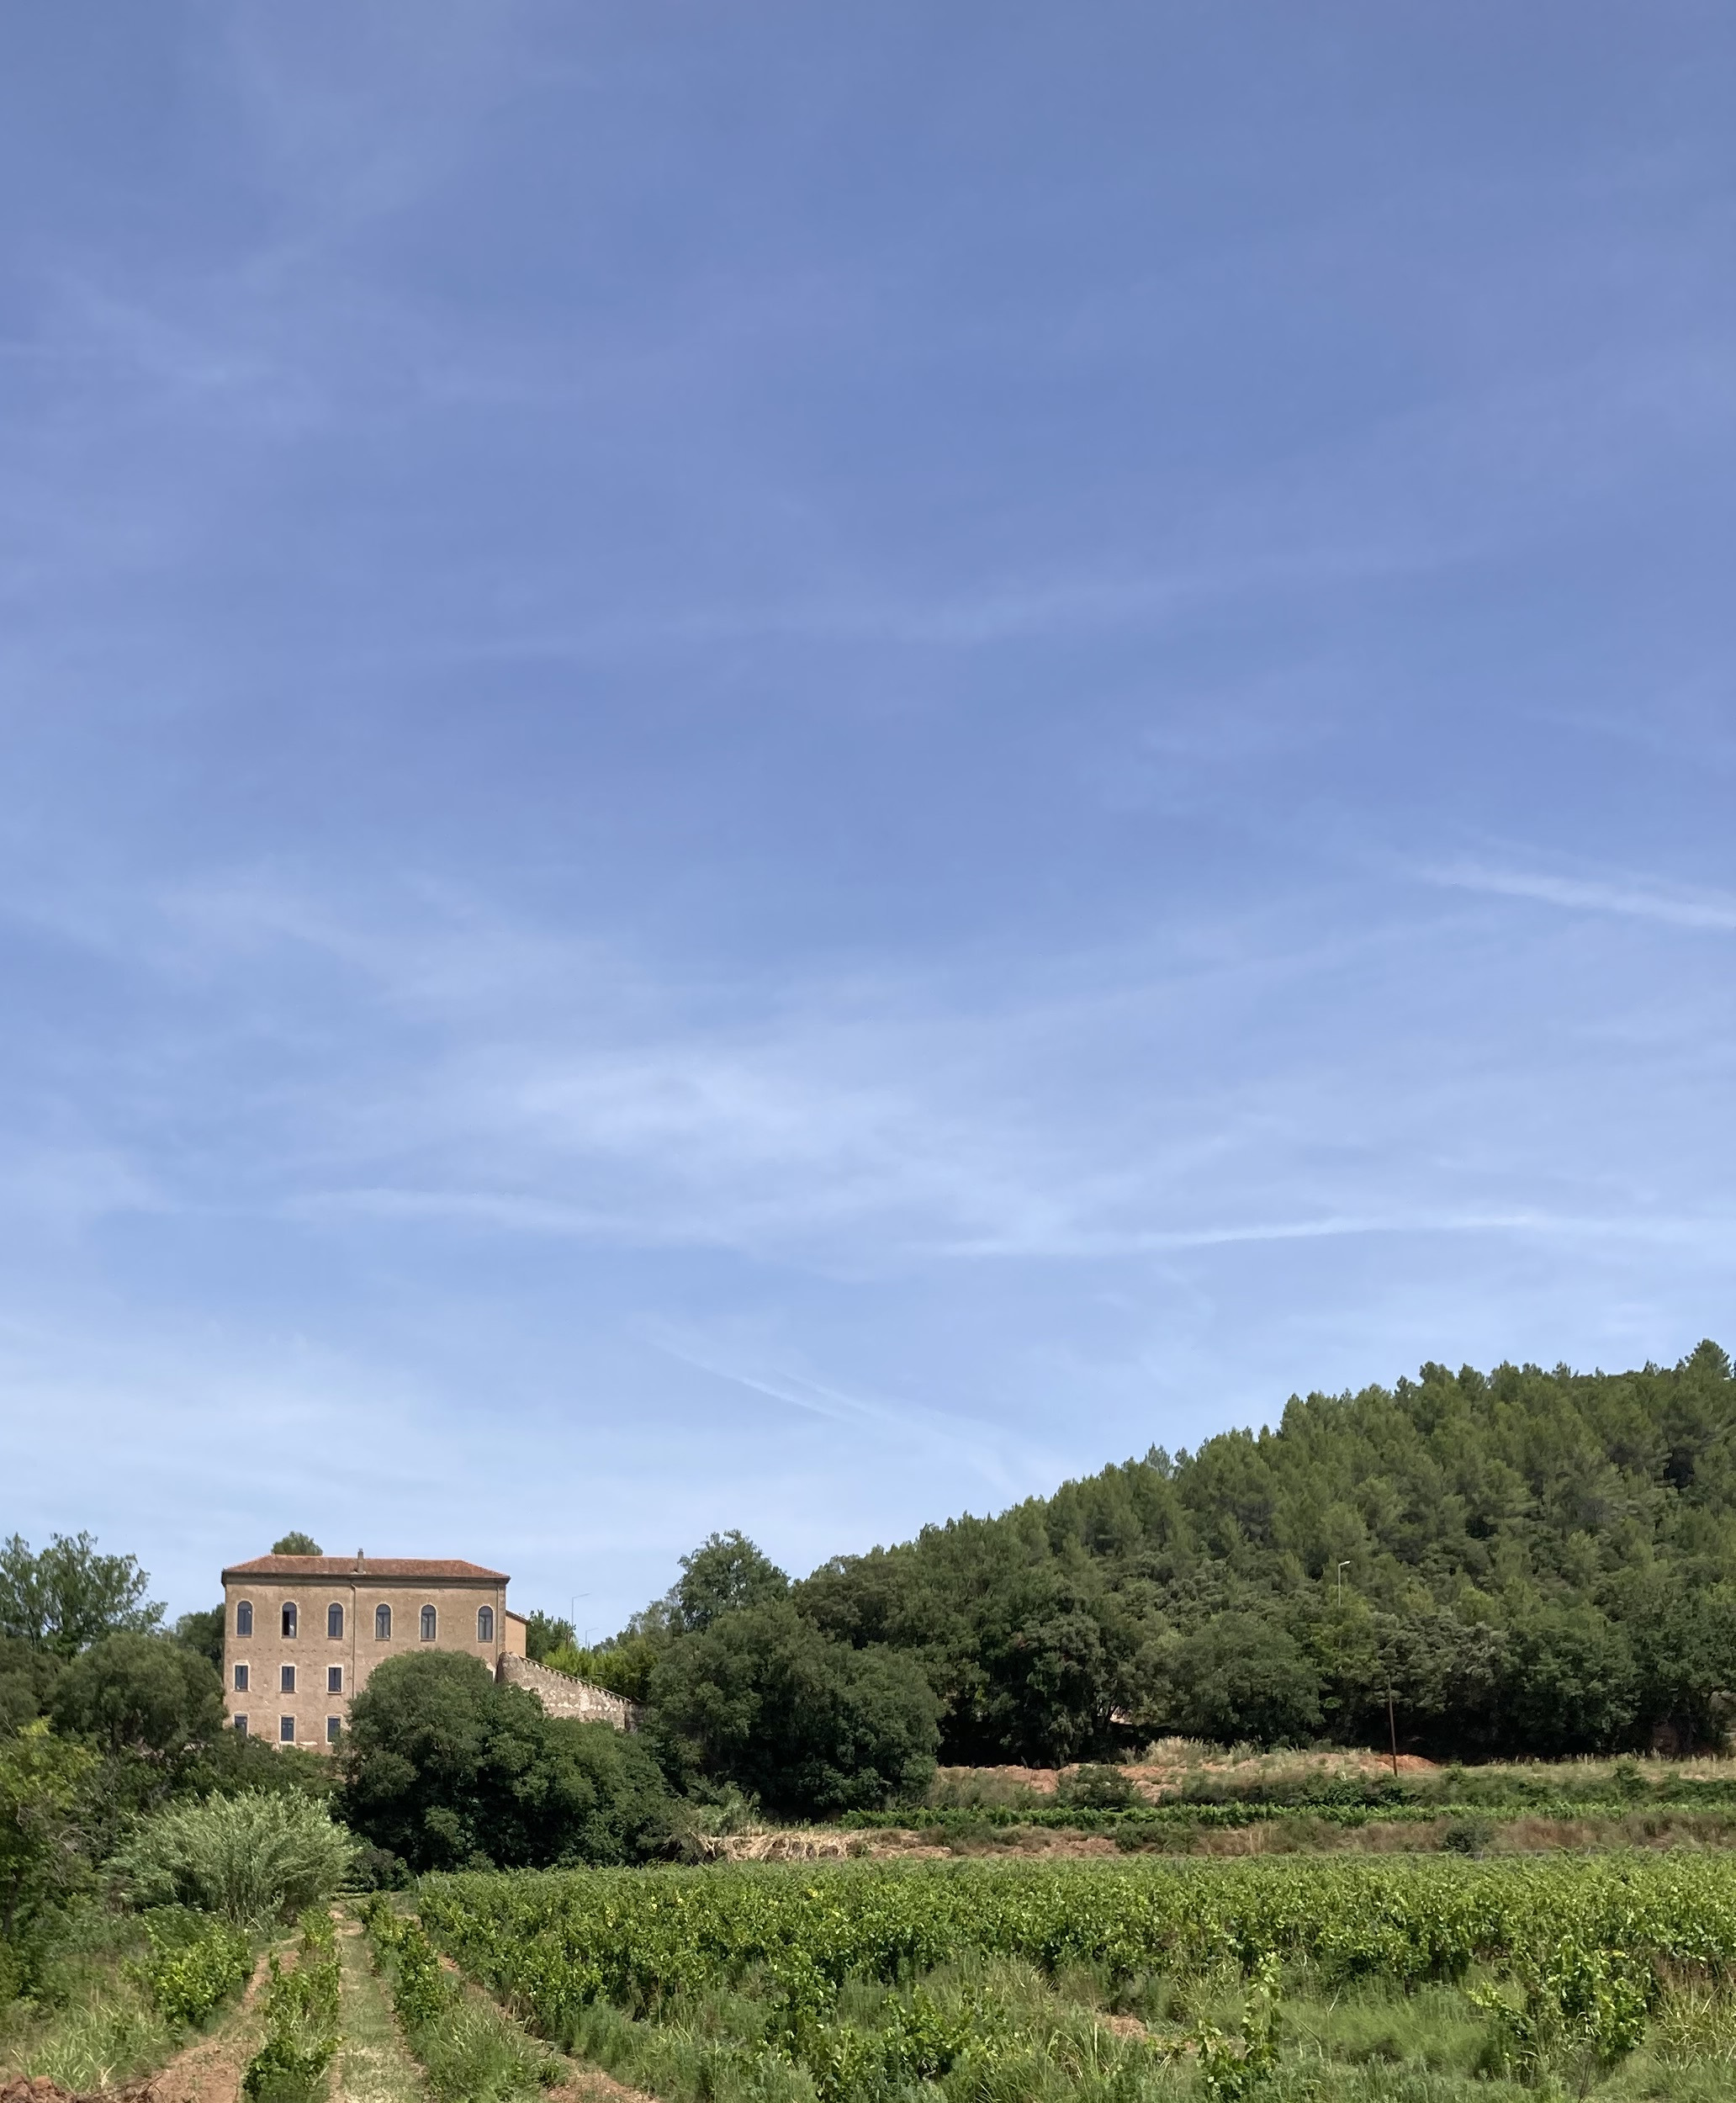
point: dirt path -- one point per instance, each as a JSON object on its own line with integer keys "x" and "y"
{"x": 373, "y": 2064}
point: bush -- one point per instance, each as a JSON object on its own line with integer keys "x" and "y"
{"x": 301, "y": 2022}
{"x": 194, "y": 1965}
{"x": 252, "y": 1859}
{"x": 1097, "y": 1789}
{"x": 445, "y": 1769}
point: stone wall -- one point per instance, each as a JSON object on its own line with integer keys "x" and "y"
{"x": 562, "y": 1695}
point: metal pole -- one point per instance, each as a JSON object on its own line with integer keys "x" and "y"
{"x": 1342, "y": 1567}
{"x": 1392, "y": 1730}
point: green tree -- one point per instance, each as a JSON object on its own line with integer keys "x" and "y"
{"x": 26, "y": 1675}
{"x": 41, "y": 1780}
{"x": 624, "y": 1664}
{"x": 297, "y": 1544}
{"x": 727, "y": 1575}
{"x": 544, "y": 1633}
{"x": 62, "y": 1598}
{"x": 444, "y": 1767}
{"x": 761, "y": 1699}
{"x": 1242, "y": 1676}
{"x": 139, "y": 1695}
{"x": 202, "y": 1632}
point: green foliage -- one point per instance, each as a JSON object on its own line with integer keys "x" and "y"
{"x": 760, "y": 1698}
{"x": 554, "y": 1943}
{"x": 41, "y": 1780}
{"x": 195, "y": 1964}
{"x": 297, "y": 1544}
{"x": 545, "y": 1633}
{"x": 139, "y": 1694}
{"x": 470, "y": 2052}
{"x": 202, "y": 1632}
{"x": 727, "y": 1575}
{"x": 1535, "y": 1562}
{"x": 1242, "y": 1678}
{"x": 301, "y": 2022}
{"x": 64, "y": 1597}
{"x": 624, "y": 1666}
{"x": 253, "y": 1858}
{"x": 1096, "y": 1788}
{"x": 1580, "y": 2009}
{"x": 871, "y": 1982}
{"x": 1238, "y": 2069}
{"x": 445, "y": 1768}
{"x": 27, "y": 1676}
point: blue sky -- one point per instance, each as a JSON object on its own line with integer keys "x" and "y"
{"x": 791, "y": 767}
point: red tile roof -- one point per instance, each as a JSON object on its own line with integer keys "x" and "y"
{"x": 382, "y": 1568}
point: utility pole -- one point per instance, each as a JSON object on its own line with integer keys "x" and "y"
{"x": 1392, "y": 1731}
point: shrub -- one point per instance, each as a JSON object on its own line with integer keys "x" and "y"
{"x": 445, "y": 1769}
{"x": 1096, "y": 1788}
{"x": 252, "y": 1859}
{"x": 194, "y": 1965}
{"x": 301, "y": 2022}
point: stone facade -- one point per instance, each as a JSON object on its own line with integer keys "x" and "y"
{"x": 317, "y": 1623}
{"x": 562, "y": 1695}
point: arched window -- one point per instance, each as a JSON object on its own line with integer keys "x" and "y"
{"x": 289, "y": 1616}
{"x": 427, "y": 1624}
{"x": 484, "y": 1624}
{"x": 333, "y": 1621}
{"x": 383, "y": 1624}
{"x": 244, "y": 1617}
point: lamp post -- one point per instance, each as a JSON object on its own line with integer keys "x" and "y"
{"x": 1342, "y": 1567}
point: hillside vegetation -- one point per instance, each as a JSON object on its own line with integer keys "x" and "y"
{"x": 1531, "y": 1563}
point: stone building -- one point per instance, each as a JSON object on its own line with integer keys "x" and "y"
{"x": 303, "y": 1633}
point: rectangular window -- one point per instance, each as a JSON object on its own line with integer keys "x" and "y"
{"x": 334, "y": 1679}
{"x": 240, "y": 1679}
{"x": 286, "y": 1680}
{"x": 285, "y": 1730}
{"x": 240, "y": 1724}
{"x": 334, "y": 1724}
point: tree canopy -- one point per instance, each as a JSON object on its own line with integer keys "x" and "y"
{"x": 1530, "y": 1563}
{"x": 140, "y": 1694}
{"x": 444, "y": 1768}
{"x": 62, "y": 1598}
{"x": 1534, "y": 1563}
{"x": 297, "y": 1544}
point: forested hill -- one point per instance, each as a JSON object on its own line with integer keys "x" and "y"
{"x": 1534, "y": 1563}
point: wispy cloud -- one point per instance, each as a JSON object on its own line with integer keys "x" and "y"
{"x": 1634, "y": 897}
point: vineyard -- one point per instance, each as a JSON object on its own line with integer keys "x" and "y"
{"x": 860, "y": 1982}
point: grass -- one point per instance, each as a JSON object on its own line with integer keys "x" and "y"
{"x": 374, "y": 2066}
{"x": 92, "y": 2024}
